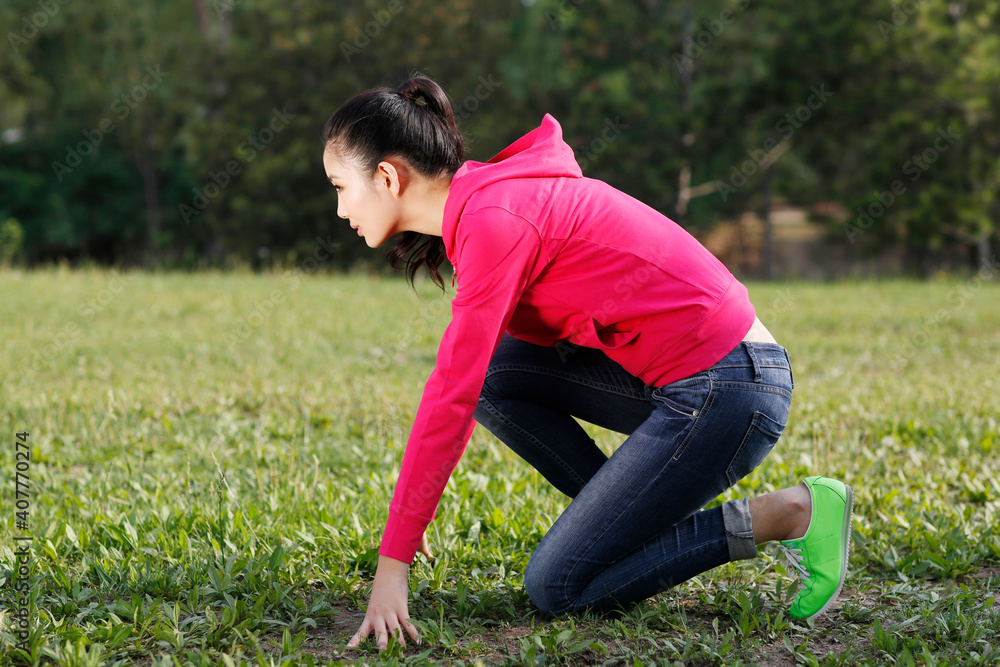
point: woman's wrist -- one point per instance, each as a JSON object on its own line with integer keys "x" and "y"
{"x": 393, "y": 567}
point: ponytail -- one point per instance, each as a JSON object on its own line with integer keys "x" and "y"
{"x": 414, "y": 122}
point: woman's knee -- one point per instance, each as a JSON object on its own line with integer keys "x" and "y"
{"x": 493, "y": 385}
{"x": 493, "y": 393}
{"x": 541, "y": 585}
{"x": 503, "y": 384}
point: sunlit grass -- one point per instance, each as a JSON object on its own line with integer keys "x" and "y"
{"x": 213, "y": 457}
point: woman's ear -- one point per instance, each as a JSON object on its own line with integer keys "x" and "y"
{"x": 389, "y": 176}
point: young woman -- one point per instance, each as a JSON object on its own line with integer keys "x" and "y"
{"x": 575, "y": 300}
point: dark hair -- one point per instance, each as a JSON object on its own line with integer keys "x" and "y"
{"x": 416, "y": 123}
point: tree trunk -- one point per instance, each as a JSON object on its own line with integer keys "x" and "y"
{"x": 150, "y": 187}
{"x": 767, "y": 252}
{"x": 684, "y": 178}
{"x": 983, "y": 250}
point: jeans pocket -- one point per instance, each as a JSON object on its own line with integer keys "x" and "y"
{"x": 758, "y": 442}
{"x": 686, "y": 397}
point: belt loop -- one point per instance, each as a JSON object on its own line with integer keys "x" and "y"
{"x": 757, "y": 377}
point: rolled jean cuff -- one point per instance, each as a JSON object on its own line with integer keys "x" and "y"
{"x": 739, "y": 529}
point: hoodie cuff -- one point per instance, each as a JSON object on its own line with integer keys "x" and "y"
{"x": 401, "y": 538}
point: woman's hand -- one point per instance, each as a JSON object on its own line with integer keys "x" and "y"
{"x": 387, "y": 609}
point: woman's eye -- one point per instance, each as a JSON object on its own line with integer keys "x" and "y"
{"x": 337, "y": 189}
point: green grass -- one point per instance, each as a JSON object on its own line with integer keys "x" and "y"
{"x": 210, "y": 477}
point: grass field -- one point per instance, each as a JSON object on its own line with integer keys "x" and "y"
{"x": 212, "y": 458}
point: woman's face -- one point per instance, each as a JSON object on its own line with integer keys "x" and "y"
{"x": 367, "y": 202}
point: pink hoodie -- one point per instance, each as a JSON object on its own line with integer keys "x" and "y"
{"x": 549, "y": 256}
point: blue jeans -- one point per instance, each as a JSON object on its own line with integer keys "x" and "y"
{"x": 635, "y": 526}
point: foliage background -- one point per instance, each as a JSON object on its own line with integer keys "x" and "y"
{"x": 702, "y": 88}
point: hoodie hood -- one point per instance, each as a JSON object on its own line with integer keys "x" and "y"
{"x": 541, "y": 153}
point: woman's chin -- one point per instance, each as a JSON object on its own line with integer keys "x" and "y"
{"x": 376, "y": 241}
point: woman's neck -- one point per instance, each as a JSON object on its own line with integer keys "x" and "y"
{"x": 424, "y": 210}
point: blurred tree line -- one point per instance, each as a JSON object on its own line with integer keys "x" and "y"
{"x": 185, "y": 133}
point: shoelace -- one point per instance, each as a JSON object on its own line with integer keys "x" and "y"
{"x": 793, "y": 556}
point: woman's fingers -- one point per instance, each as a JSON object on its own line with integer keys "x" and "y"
{"x": 381, "y": 631}
{"x": 360, "y": 634}
{"x": 412, "y": 630}
{"x": 397, "y": 632}
{"x": 368, "y": 627}
{"x": 425, "y": 548}
{"x": 382, "y": 637}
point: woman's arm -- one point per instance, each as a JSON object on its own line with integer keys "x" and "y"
{"x": 499, "y": 256}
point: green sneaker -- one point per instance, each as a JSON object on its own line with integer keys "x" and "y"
{"x": 821, "y": 554}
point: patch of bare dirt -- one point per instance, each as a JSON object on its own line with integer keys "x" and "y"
{"x": 328, "y": 639}
{"x": 986, "y": 572}
{"x": 776, "y": 654}
{"x": 503, "y": 642}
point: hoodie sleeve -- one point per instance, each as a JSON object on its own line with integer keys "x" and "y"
{"x": 497, "y": 253}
